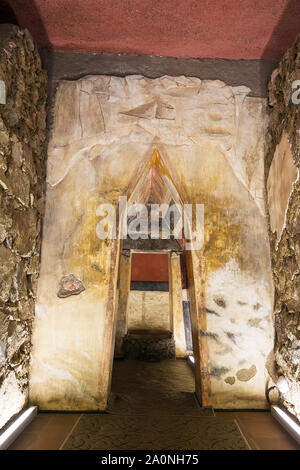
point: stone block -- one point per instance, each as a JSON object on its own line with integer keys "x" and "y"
{"x": 7, "y": 269}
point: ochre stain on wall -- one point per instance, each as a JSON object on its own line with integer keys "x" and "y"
{"x": 85, "y": 251}
{"x": 222, "y": 238}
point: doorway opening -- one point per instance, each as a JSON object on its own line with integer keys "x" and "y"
{"x": 153, "y": 326}
{"x": 149, "y": 334}
{"x": 153, "y": 306}
{"x": 153, "y": 338}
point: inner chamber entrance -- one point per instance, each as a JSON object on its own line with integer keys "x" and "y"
{"x": 150, "y": 333}
{"x": 153, "y": 314}
{"x": 153, "y": 337}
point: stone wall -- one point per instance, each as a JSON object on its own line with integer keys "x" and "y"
{"x": 22, "y": 179}
{"x": 148, "y": 310}
{"x": 283, "y": 186}
{"x": 149, "y": 347}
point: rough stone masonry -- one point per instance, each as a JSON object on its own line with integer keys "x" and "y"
{"x": 283, "y": 185}
{"x": 22, "y": 181}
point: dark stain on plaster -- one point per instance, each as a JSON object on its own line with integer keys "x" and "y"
{"x": 223, "y": 351}
{"x": 230, "y": 380}
{"x": 231, "y": 336}
{"x": 256, "y": 306}
{"x": 209, "y": 334}
{"x": 98, "y": 268}
{"x": 212, "y": 312}
{"x": 219, "y": 301}
{"x": 69, "y": 285}
{"x": 217, "y": 372}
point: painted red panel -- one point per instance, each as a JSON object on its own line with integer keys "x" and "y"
{"x": 243, "y": 29}
{"x": 149, "y": 267}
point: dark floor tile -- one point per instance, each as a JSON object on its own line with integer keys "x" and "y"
{"x": 47, "y": 432}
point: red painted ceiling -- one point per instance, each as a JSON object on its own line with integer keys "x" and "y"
{"x": 234, "y": 29}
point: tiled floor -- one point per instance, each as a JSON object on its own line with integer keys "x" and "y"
{"x": 49, "y": 430}
{"x": 261, "y": 430}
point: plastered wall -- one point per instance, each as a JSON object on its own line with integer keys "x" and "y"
{"x": 210, "y": 137}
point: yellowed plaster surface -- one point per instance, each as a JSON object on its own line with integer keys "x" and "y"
{"x": 210, "y": 137}
{"x": 148, "y": 310}
{"x": 176, "y": 309}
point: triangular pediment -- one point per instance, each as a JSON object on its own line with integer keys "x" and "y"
{"x": 155, "y": 187}
{"x": 155, "y": 184}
